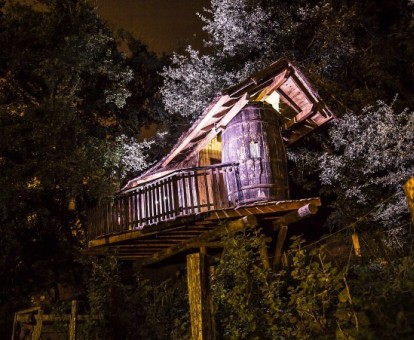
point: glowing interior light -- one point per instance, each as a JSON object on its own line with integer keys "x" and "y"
{"x": 274, "y": 100}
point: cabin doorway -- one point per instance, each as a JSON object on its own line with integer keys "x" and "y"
{"x": 210, "y": 155}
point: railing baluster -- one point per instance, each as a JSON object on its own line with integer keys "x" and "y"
{"x": 190, "y": 179}
{"x": 115, "y": 215}
{"x": 206, "y": 190}
{"x": 146, "y": 204}
{"x": 150, "y": 205}
{"x": 176, "y": 198}
{"x": 213, "y": 188}
{"x": 105, "y": 219}
{"x": 153, "y": 204}
{"x": 134, "y": 210}
{"x": 163, "y": 200}
{"x": 170, "y": 197}
{"x": 120, "y": 215}
{"x": 197, "y": 191}
{"x": 159, "y": 201}
{"x": 156, "y": 203}
{"x": 131, "y": 211}
{"x": 139, "y": 217}
{"x": 182, "y": 192}
{"x": 126, "y": 210}
{"x": 216, "y": 175}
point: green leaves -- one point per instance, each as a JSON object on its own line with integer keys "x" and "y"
{"x": 299, "y": 301}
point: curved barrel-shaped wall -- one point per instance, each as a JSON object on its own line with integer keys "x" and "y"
{"x": 253, "y": 139}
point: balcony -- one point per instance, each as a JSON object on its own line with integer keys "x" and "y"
{"x": 181, "y": 193}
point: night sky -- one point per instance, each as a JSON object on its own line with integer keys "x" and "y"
{"x": 163, "y": 25}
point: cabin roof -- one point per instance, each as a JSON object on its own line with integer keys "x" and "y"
{"x": 301, "y": 112}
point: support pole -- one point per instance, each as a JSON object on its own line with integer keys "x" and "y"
{"x": 263, "y": 254}
{"x": 409, "y": 193}
{"x": 73, "y": 320}
{"x": 281, "y": 225}
{"x": 201, "y": 308}
{"x": 37, "y": 331}
{"x": 281, "y": 237}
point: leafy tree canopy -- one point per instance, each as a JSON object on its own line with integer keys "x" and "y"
{"x": 66, "y": 99}
{"x": 355, "y": 53}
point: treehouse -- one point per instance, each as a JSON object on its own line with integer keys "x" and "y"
{"x": 230, "y": 166}
{"x": 226, "y": 174}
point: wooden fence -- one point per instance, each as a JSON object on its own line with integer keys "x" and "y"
{"x": 180, "y": 193}
{"x": 34, "y": 324}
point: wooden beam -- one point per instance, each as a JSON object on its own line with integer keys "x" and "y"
{"x": 295, "y": 216}
{"x": 255, "y": 89}
{"x": 282, "y": 226}
{"x": 272, "y": 207}
{"x": 176, "y": 239}
{"x": 300, "y": 117}
{"x": 142, "y": 244}
{"x": 194, "y": 132}
{"x": 278, "y": 81}
{"x": 311, "y": 94}
{"x": 281, "y": 237}
{"x": 298, "y": 132}
{"x": 233, "y": 226}
{"x": 199, "y": 295}
{"x": 222, "y": 244}
{"x": 289, "y": 101}
{"x": 221, "y": 124}
{"x": 244, "y": 99}
{"x": 128, "y": 235}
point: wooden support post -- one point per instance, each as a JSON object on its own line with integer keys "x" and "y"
{"x": 201, "y": 308}
{"x": 282, "y": 225}
{"x": 281, "y": 237}
{"x": 246, "y": 222}
{"x": 13, "y": 337}
{"x": 37, "y": 330}
{"x": 263, "y": 255}
{"x": 73, "y": 320}
{"x": 409, "y": 193}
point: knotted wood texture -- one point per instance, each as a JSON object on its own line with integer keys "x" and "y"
{"x": 201, "y": 309}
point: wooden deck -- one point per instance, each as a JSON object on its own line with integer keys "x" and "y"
{"x": 164, "y": 239}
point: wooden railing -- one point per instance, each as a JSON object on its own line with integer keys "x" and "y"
{"x": 180, "y": 193}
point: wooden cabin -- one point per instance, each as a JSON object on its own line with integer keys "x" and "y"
{"x": 229, "y": 167}
{"x": 230, "y": 164}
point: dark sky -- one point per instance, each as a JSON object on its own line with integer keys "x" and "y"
{"x": 163, "y": 25}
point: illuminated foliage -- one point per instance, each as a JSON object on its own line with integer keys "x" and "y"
{"x": 371, "y": 163}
